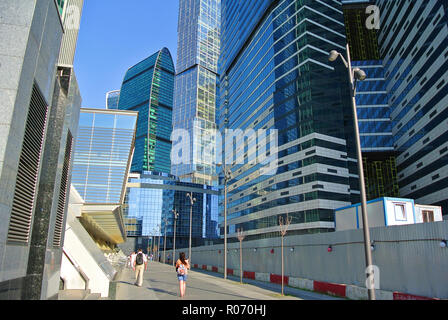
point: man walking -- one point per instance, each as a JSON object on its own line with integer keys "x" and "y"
{"x": 140, "y": 265}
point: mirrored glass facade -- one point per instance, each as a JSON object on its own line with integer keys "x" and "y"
{"x": 112, "y": 98}
{"x": 195, "y": 85}
{"x": 413, "y": 42}
{"x": 148, "y": 88}
{"x": 275, "y": 74}
{"x": 374, "y": 113}
{"x": 102, "y": 154}
{"x": 150, "y": 199}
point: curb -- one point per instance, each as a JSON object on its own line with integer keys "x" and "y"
{"x": 339, "y": 290}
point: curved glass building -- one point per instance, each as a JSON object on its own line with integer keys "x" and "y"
{"x": 148, "y": 88}
{"x": 112, "y": 98}
{"x": 275, "y": 74}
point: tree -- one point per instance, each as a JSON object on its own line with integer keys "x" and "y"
{"x": 284, "y": 225}
{"x": 241, "y": 238}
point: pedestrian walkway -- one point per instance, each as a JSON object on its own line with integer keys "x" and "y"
{"x": 160, "y": 283}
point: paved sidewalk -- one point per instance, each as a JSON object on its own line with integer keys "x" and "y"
{"x": 160, "y": 283}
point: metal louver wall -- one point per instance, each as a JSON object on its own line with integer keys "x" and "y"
{"x": 28, "y": 169}
{"x": 62, "y": 200}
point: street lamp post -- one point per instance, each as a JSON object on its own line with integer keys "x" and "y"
{"x": 153, "y": 243}
{"x": 192, "y": 201}
{"x": 158, "y": 242}
{"x": 176, "y": 214}
{"x": 164, "y": 242}
{"x": 227, "y": 178}
{"x": 356, "y": 74}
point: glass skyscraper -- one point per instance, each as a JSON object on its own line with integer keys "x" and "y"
{"x": 195, "y": 85}
{"x": 275, "y": 74}
{"x": 413, "y": 42}
{"x": 374, "y": 113}
{"x": 112, "y": 98}
{"x": 150, "y": 199}
{"x": 102, "y": 154}
{"x": 148, "y": 88}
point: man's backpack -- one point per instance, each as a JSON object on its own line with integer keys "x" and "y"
{"x": 139, "y": 259}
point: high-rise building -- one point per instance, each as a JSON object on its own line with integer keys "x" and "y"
{"x": 275, "y": 74}
{"x": 150, "y": 199}
{"x": 112, "y": 98}
{"x": 374, "y": 114}
{"x": 363, "y": 41}
{"x": 40, "y": 108}
{"x": 148, "y": 88}
{"x": 413, "y": 42}
{"x": 195, "y": 87}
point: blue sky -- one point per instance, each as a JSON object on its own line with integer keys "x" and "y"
{"x": 115, "y": 35}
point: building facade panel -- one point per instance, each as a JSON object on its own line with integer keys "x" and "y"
{"x": 414, "y": 46}
{"x": 152, "y": 197}
{"x": 148, "y": 88}
{"x": 277, "y": 76}
{"x": 102, "y": 154}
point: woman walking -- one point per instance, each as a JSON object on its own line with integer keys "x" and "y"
{"x": 182, "y": 266}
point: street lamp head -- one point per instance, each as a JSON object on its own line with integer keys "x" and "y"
{"x": 359, "y": 74}
{"x": 333, "y": 55}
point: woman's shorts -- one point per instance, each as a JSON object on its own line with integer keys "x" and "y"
{"x": 182, "y": 277}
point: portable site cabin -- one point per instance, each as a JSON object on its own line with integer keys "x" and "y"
{"x": 383, "y": 212}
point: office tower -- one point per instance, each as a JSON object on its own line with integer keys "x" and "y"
{"x": 150, "y": 199}
{"x": 374, "y": 114}
{"x": 40, "y": 108}
{"x": 103, "y": 153}
{"x": 275, "y": 74}
{"x": 195, "y": 87}
{"x": 363, "y": 41}
{"x": 112, "y": 98}
{"x": 148, "y": 88}
{"x": 414, "y": 46}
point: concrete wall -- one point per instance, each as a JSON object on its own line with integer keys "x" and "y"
{"x": 409, "y": 258}
{"x": 30, "y": 38}
{"x": 84, "y": 253}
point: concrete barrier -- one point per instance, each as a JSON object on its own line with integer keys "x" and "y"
{"x": 409, "y": 260}
{"x": 339, "y": 290}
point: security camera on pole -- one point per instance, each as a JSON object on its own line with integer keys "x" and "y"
{"x": 356, "y": 75}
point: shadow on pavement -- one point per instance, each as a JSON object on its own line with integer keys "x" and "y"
{"x": 228, "y": 294}
{"x": 163, "y": 291}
